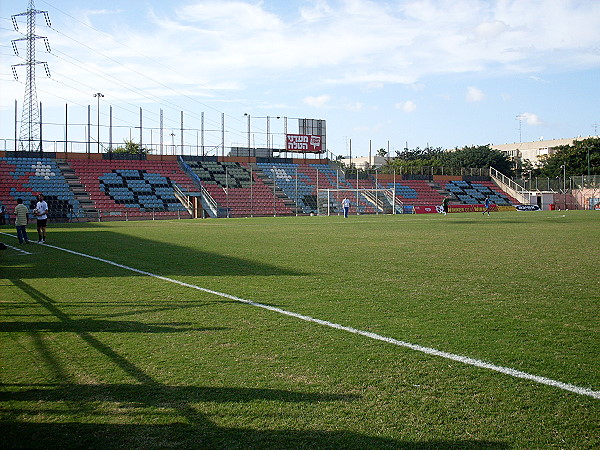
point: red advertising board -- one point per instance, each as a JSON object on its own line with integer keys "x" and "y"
{"x": 422, "y": 209}
{"x": 471, "y": 208}
{"x": 429, "y": 209}
{"x": 303, "y": 143}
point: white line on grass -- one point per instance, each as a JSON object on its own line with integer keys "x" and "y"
{"x": 15, "y": 248}
{"x": 430, "y": 351}
{"x": 18, "y": 249}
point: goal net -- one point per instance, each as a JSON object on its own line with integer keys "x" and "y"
{"x": 362, "y": 201}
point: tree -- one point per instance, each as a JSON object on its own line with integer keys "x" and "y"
{"x": 481, "y": 156}
{"x": 428, "y": 154}
{"x": 415, "y": 158}
{"x": 468, "y": 157}
{"x": 576, "y": 158}
{"x": 132, "y": 148}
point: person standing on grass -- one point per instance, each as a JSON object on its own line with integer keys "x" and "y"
{"x": 445, "y": 203}
{"x": 41, "y": 213}
{"x": 486, "y": 204}
{"x": 21, "y": 212}
{"x": 346, "y": 206}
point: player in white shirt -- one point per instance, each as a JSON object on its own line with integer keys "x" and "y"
{"x": 346, "y": 206}
{"x": 41, "y": 214}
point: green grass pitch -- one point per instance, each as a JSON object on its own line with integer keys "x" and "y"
{"x": 97, "y": 355}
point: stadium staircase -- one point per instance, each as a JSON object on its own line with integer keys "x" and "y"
{"x": 509, "y": 186}
{"x": 89, "y": 210}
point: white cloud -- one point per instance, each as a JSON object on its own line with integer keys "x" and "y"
{"x": 538, "y": 79}
{"x": 101, "y": 12}
{"x": 355, "y": 107}
{"x": 490, "y": 30}
{"x": 417, "y": 87}
{"x": 530, "y": 119}
{"x": 317, "y": 102}
{"x": 474, "y": 94}
{"x": 366, "y": 42}
{"x": 236, "y": 17}
{"x": 320, "y": 9}
{"x": 226, "y": 44}
{"x": 408, "y": 106}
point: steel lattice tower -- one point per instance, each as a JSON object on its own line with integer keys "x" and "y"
{"x": 30, "y": 135}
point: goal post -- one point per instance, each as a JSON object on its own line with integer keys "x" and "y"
{"x": 362, "y": 201}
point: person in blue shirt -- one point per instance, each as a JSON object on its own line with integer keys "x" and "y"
{"x": 486, "y": 204}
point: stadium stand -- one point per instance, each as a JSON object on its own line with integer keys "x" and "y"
{"x": 239, "y": 190}
{"x": 112, "y": 189}
{"x": 474, "y": 193}
{"x": 412, "y": 192}
{"x": 26, "y": 177}
{"x": 301, "y": 182}
{"x": 296, "y": 182}
{"x": 134, "y": 188}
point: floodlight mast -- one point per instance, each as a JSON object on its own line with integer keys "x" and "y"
{"x": 30, "y": 136}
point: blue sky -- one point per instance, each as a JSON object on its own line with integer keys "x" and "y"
{"x": 447, "y": 73}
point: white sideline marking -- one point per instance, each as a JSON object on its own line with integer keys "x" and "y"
{"x": 18, "y": 249}
{"x": 15, "y": 248}
{"x": 430, "y": 351}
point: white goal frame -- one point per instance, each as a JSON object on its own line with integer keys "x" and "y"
{"x": 362, "y": 201}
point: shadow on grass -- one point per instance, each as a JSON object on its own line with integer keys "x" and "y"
{"x": 76, "y": 435}
{"x": 156, "y": 394}
{"x": 65, "y": 324}
{"x": 141, "y": 254}
{"x": 94, "y": 326}
{"x": 148, "y": 413}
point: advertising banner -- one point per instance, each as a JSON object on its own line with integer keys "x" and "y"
{"x": 303, "y": 143}
{"x": 471, "y": 208}
{"x": 429, "y": 209}
{"x": 528, "y": 208}
{"x": 419, "y": 209}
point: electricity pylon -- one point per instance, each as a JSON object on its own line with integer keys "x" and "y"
{"x": 31, "y": 129}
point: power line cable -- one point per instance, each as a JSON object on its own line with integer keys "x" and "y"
{"x": 144, "y": 56}
{"x": 132, "y": 88}
{"x": 232, "y": 132}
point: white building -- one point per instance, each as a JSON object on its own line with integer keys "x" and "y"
{"x": 534, "y": 150}
{"x": 365, "y": 162}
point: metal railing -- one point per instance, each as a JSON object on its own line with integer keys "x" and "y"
{"x": 209, "y": 204}
{"x": 512, "y": 188}
{"x": 183, "y": 199}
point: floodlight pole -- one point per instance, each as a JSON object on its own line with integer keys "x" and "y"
{"x": 564, "y": 168}
{"x": 588, "y": 162}
{"x": 248, "y": 115}
{"x": 268, "y": 132}
{"x": 98, "y": 95}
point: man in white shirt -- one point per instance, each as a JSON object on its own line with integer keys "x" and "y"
{"x": 346, "y": 206}
{"x": 41, "y": 214}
